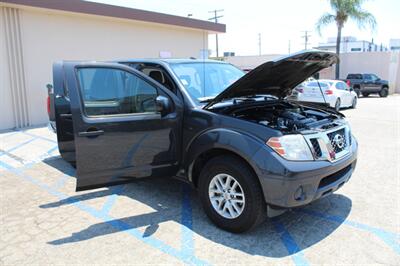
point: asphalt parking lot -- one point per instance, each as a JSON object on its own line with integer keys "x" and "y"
{"x": 160, "y": 221}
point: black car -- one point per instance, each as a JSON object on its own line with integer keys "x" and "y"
{"x": 248, "y": 151}
{"x": 367, "y": 84}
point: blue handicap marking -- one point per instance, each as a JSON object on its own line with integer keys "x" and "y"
{"x": 391, "y": 239}
{"x": 291, "y": 246}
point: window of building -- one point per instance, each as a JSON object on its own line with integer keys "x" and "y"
{"x": 356, "y": 49}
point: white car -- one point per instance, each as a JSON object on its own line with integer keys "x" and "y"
{"x": 335, "y": 92}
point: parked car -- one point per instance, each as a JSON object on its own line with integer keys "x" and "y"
{"x": 367, "y": 84}
{"x": 248, "y": 151}
{"x": 335, "y": 93}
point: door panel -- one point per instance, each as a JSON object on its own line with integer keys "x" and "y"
{"x": 63, "y": 116}
{"x": 119, "y": 135}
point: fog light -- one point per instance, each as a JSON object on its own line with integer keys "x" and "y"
{"x": 299, "y": 194}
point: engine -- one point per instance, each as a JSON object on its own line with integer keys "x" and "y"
{"x": 283, "y": 118}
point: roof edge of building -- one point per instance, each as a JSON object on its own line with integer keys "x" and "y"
{"x": 92, "y": 8}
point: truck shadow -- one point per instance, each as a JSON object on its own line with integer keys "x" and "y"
{"x": 277, "y": 237}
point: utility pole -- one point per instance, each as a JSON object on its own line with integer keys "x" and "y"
{"x": 289, "y": 48}
{"x": 259, "y": 44}
{"x": 215, "y": 18}
{"x": 306, "y": 37}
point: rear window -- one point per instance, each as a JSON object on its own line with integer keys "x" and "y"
{"x": 354, "y": 76}
{"x": 315, "y": 84}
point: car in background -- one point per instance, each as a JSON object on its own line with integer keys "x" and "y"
{"x": 367, "y": 84}
{"x": 335, "y": 93}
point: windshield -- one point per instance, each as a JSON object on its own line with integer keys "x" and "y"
{"x": 206, "y": 80}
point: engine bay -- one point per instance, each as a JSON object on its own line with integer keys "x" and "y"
{"x": 286, "y": 117}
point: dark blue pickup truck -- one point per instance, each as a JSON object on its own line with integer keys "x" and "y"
{"x": 235, "y": 137}
{"x": 366, "y": 84}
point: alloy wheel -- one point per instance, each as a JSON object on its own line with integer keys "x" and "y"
{"x": 226, "y": 196}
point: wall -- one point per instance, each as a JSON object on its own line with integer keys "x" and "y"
{"x": 385, "y": 64}
{"x": 250, "y": 62}
{"x": 51, "y": 36}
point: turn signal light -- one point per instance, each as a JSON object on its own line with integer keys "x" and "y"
{"x": 275, "y": 144}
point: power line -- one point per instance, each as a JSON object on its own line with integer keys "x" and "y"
{"x": 215, "y": 18}
{"x": 306, "y": 37}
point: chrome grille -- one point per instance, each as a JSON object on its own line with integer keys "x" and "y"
{"x": 338, "y": 140}
{"x": 316, "y": 148}
{"x": 331, "y": 144}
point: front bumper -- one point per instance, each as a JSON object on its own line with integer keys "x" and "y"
{"x": 288, "y": 184}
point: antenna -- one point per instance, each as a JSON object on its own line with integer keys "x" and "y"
{"x": 215, "y": 18}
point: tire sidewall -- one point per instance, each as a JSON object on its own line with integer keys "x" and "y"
{"x": 384, "y": 92}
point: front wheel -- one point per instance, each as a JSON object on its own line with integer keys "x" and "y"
{"x": 384, "y": 92}
{"x": 365, "y": 94}
{"x": 231, "y": 194}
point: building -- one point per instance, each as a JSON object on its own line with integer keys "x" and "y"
{"x": 385, "y": 64}
{"x": 350, "y": 44}
{"x": 35, "y": 33}
{"x": 394, "y": 44}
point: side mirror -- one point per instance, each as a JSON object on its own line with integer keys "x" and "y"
{"x": 351, "y": 89}
{"x": 163, "y": 105}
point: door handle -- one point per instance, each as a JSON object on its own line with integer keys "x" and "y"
{"x": 91, "y": 133}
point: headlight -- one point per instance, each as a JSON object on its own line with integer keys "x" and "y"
{"x": 291, "y": 147}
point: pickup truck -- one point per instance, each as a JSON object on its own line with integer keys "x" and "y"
{"x": 249, "y": 152}
{"x": 366, "y": 84}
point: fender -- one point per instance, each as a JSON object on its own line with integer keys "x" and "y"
{"x": 236, "y": 141}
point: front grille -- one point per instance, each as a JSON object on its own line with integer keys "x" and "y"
{"x": 334, "y": 177}
{"x": 338, "y": 140}
{"x": 316, "y": 148}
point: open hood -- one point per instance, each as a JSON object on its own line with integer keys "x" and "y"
{"x": 278, "y": 77}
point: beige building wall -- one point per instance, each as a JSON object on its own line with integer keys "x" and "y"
{"x": 385, "y": 64}
{"x": 48, "y": 36}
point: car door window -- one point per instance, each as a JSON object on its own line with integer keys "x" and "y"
{"x": 108, "y": 91}
{"x": 367, "y": 77}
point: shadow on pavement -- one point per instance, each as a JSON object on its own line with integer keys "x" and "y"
{"x": 165, "y": 196}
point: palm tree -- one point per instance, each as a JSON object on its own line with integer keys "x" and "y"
{"x": 342, "y": 11}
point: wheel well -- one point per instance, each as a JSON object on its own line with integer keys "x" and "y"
{"x": 385, "y": 87}
{"x": 356, "y": 86}
{"x": 203, "y": 158}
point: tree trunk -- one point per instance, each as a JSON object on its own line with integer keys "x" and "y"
{"x": 338, "y": 40}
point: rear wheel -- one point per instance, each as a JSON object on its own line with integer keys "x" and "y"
{"x": 231, "y": 195}
{"x": 337, "y": 104}
{"x": 365, "y": 94}
{"x": 384, "y": 92}
{"x": 354, "y": 103}
{"x": 357, "y": 91}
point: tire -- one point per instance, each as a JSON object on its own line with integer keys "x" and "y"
{"x": 365, "y": 94}
{"x": 357, "y": 91}
{"x": 337, "y": 105}
{"x": 384, "y": 92}
{"x": 253, "y": 209}
{"x": 354, "y": 103}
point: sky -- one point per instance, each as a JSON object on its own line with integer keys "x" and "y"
{"x": 279, "y": 22}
